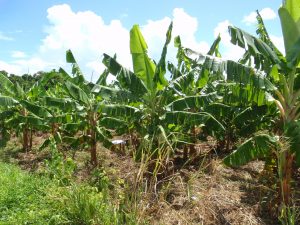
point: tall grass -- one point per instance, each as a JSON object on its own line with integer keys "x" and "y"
{"x": 31, "y": 199}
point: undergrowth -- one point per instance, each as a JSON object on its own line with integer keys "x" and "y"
{"x": 37, "y": 199}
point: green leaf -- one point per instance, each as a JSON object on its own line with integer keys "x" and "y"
{"x": 143, "y": 66}
{"x": 160, "y": 70}
{"x": 256, "y": 147}
{"x": 192, "y": 119}
{"x": 193, "y": 102}
{"x": 203, "y": 78}
{"x": 73, "y": 127}
{"x": 6, "y": 85}
{"x": 34, "y": 121}
{"x": 75, "y": 68}
{"x": 112, "y": 123}
{"x": 103, "y": 138}
{"x": 214, "y": 48}
{"x": 274, "y": 73}
{"x": 69, "y": 57}
{"x": 264, "y": 36}
{"x": 126, "y": 78}
{"x": 293, "y": 7}
{"x": 103, "y": 77}
{"x": 19, "y": 91}
{"x": 293, "y": 55}
{"x": 62, "y": 119}
{"x": 112, "y": 93}
{"x": 184, "y": 83}
{"x": 175, "y": 73}
{"x": 61, "y": 103}
{"x": 7, "y": 114}
{"x": 76, "y": 93}
{"x": 290, "y": 30}
{"x": 292, "y": 132}
{"x": 261, "y": 52}
{"x": 35, "y": 109}
{"x": 119, "y": 110}
{"x": 6, "y": 101}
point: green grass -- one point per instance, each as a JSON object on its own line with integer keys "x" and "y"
{"x": 22, "y": 197}
{"x": 32, "y": 199}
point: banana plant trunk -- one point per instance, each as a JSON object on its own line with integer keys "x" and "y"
{"x": 286, "y": 178}
{"x": 228, "y": 141}
{"x": 26, "y": 133}
{"x": 93, "y": 138}
{"x": 30, "y": 138}
{"x": 194, "y": 139}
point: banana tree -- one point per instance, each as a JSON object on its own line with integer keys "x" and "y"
{"x": 157, "y": 110}
{"x": 279, "y": 76}
{"x": 200, "y": 76}
{"x": 21, "y": 110}
{"x": 88, "y": 120}
{"x": 148, "y": 84}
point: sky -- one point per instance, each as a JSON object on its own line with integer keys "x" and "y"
{"x": 35, "y": 34}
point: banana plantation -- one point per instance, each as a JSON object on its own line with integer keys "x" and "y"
{"x": 198, "y": 116}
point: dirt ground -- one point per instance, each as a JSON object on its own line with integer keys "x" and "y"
{"x": 213, "y": 194}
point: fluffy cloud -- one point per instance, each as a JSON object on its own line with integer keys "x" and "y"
{"x": 89, "y": 36}
{"x": 155, "y": 34}
{"x": 266, "y": 14}
{"x": 10, "y": 67}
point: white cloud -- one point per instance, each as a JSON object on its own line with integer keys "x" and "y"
{"x": 18, "y": 54}
{"x": 10, "y": 68}
{"x": 30, "y": 66}
{"x": 33, "y": 65}
{"x": 266, "y": 14}
{"x": 229, "y": 51}
{"x": 89, "y": 36}
{"x": 188, "y": 32}
{"x": 155, "y": 34}
{"x": 5, "y": 38}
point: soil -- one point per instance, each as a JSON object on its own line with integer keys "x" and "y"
{"x": 218, "y": 195}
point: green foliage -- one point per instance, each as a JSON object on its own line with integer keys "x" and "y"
{"x": 86, "y": 205}
{"x": 32, "y": 199}
{"x": 22, "y": 197}
{"x": 58, "y": 168}
{"x": 259, "y": 146}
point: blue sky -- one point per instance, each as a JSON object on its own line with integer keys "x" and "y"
{"x": 34, "y": 34}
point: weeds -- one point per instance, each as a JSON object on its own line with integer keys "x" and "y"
{"x": 32, "y": 199}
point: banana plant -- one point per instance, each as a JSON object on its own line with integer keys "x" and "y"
{"x": 21, "y": 111}
{"x": 159, "y": 111}
{"x": 280, "y": 77}
{"x": 82, "y": 110}
{"x": 190, "y": 81}
{"x": 203, "y": 78}
{"x": 155, "y": 108}
{"x": 147, "y": 83}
